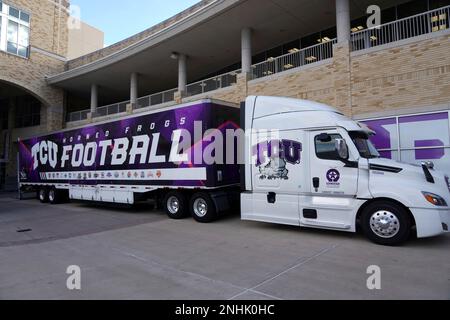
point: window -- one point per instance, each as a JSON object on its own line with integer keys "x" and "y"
{"x": 326, "y": 148}
{"x": 28, "y": 112}
{"x": 14, "y": 30}
{"x": 414, "y": 138}
{"x": 13, "y": 12}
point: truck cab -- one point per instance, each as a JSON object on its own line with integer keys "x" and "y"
{"x": 309, "y": 165}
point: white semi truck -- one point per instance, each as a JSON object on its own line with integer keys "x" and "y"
{"x": 288, "y": 161}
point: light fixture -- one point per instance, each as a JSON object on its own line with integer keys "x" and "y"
{"x": 174, "y": 55}
{"x": 373, "y": 38}
{"x": 324, "y": 39}
{"x": 294, "y": 50}
{"x": 288, "y": 66}
{"x": 358, "y": 28}
{"x": 311, "y": 58}
{"x": 270, "y": 59}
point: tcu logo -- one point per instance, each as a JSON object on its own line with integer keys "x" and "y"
{"x": 288, "y": 150}
{"x": 273, "y": 156}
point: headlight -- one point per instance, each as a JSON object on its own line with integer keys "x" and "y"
{"x": 434, "y": 199}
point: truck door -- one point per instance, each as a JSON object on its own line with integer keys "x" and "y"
{"x": 333, "y": 184}
{"x": 278, "y": 177}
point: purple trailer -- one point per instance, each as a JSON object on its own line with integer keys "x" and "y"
{"x": 176, "y": 155}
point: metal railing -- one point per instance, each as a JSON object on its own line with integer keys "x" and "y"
{"x": 298, "y": 58}
{"x": 218, "y": 82}
{"x": 78, "y": 115}
{"x": 111, "y": 109}
{"x": 424, "y": 23}
{"x": 156, "y": 98}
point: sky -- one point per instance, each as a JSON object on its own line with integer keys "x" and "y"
{"x": 121, "y": 19}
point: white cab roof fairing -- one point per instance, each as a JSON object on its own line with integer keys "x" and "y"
{"x": 267, "y": 106}
{"x": 304, "y": 114}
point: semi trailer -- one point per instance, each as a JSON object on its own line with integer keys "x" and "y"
{"x": 279, "y": 160}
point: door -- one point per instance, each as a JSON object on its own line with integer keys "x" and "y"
{"x": 278, "y": 177}
{"x": 333, "y": 183}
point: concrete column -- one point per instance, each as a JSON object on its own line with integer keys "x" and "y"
{"x": 246, "y": 46}
{"x": 343, "y": 20}
{"x": 134, "y": 89}
{"x": 94, "y": 98}
{"x": 182, "y": 73}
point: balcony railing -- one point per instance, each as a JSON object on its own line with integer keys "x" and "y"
{"x": 295, "y": 59}
{"x": 425, "y": 23}
{"x": 78, "y": 115}
{"x": 221, "y": 81}
{"x": 156, "y": 98}
{"x": 111, "y": 109}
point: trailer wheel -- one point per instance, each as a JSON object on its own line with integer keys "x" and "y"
{"x": 386, "y": 223}
{"x": 43, "y": 195}
{"x": 203, "y": 208}
{"x": 175, "y": 204}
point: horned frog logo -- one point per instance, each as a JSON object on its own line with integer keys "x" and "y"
{"x": 275, "y": 169}
{"x": 273, "y": 157}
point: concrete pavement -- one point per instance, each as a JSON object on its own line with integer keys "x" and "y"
{"x": 137, "y": 253}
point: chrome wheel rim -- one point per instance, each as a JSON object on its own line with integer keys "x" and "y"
{"x": 200, "y": 207}
{"x": 173, "y": 205}
{"x": 42, "y": 195}
{"x": 385, "y": 224}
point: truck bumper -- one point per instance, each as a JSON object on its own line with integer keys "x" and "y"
{"x": 431, "y": 222}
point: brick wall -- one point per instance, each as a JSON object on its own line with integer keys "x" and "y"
{"x": 48, "y": 39}
{"x": 414, "y": 74}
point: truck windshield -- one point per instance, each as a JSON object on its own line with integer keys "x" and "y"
{"x": 365, "y": 147}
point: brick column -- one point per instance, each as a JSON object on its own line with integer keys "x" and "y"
{"x": 54, "y": 113}
{"x": 342, "y": 78}
{"x": 55, "y": 118}
{"x": 242, "y": 85}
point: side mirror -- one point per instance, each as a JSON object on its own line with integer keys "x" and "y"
{"x": 341, "y": 149}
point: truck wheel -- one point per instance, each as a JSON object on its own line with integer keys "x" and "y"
{"x": 175, "y": 204}
{"x": 203, "y": 208}
{"x": 43, "y": 195}
{"x": 54, "y": 196}
{"x": 386, "y": 223}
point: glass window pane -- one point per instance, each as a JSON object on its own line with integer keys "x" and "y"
{"x": 24, "y": 36}
{"x": 327, "y": 149}
{"x": 12, "y": 31}
{"x": 386, "y": 133}
{"x": 12, "y": 47}
{"x": 24, "y": 16}
{"x": 23, "y": 51}
{"x": 427, "y": 130}
{"x": 14, "y": 12}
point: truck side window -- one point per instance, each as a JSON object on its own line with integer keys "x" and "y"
{"x": 326, "y": 150}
